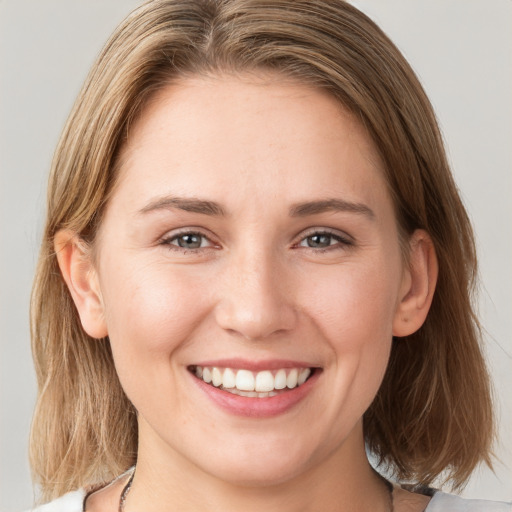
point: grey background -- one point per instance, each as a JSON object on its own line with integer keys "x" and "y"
{"x": 462, "y": 51}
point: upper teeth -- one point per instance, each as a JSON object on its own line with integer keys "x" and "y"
{"x": 245, "y": 380}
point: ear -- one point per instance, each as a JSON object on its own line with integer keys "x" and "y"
{"x": 74, "y": 258}
{"x": 418, "y": 285}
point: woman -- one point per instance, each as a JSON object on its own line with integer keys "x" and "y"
{"x": 256, "y": 266}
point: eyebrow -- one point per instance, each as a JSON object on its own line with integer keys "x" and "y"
{"x": 205, "y": 207}
{"x": 188, "y": 204}
{"x": 327, "y": 205}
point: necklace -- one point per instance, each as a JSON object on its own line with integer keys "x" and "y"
{"x": 128, "y": 486}
{"x": 126, "y": 490}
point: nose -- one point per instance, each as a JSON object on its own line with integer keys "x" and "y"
{"x": 256, "y": 299}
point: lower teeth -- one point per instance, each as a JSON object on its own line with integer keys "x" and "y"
{"x": 251, "y": 394}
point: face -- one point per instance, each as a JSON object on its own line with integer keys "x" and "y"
{"x": 251, "y": 245}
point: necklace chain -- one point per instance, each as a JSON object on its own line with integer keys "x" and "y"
{"x": 126, "y": 490}
{"x": 128, "y": 486}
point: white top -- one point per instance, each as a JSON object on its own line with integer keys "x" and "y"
{"x": 70, "y": 502}
{"x": 441, "y": 502}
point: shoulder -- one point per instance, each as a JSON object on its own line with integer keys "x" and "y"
{"x": 442, "y": 502}
{"x": 70, "y": 502}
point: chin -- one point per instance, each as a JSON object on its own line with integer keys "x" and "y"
{"x": 259, "y": 462}
{"x": 261, "y": 473}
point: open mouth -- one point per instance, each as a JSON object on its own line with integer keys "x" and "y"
{"x": 262, "y": 384}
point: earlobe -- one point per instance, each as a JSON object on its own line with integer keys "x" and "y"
{"x": 73, "y": 256}
{"x": 418, "y": 285}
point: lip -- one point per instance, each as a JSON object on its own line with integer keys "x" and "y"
{"x": 257, "y": 407}
{"x": 255, "y": 366}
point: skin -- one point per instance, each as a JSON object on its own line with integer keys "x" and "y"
{"x": 255, "y": 289}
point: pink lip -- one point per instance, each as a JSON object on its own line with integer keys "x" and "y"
{"x": 256, "y": 407}
{"x": 255, "y": 366}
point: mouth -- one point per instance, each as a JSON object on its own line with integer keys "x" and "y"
{"x": 253, "y": 384}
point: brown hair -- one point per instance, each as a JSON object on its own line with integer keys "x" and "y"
{"x": 433, "y": 412}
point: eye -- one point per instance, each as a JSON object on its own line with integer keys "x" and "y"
{"x": 323, "y": 240}
{"x": 189, "y": 240}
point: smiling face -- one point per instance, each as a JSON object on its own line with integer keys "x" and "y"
{"x": 250, "y": 244}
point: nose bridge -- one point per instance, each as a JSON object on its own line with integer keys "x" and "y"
{"x": 255, "y": 302}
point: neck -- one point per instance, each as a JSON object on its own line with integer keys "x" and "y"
{"x": 343, "y": 482}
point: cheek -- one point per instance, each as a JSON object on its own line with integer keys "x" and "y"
{"x": 354, "y": 310}
{"x": 150, "y": 311}
{"x": 354, "y": 304}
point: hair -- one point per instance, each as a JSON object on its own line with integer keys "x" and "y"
{"x": 432, "y": 416}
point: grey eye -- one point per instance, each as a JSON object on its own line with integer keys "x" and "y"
{"x": 189, "y": 241}
{"x": 319, "y": 240}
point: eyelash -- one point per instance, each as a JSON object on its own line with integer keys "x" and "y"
{"x": 343, "y": 241}
{"x": 168, "y": 241}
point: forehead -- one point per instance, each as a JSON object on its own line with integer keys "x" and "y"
{"x": 235, "y": 135}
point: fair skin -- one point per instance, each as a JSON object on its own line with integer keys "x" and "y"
{"x": 251, "y": 229}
